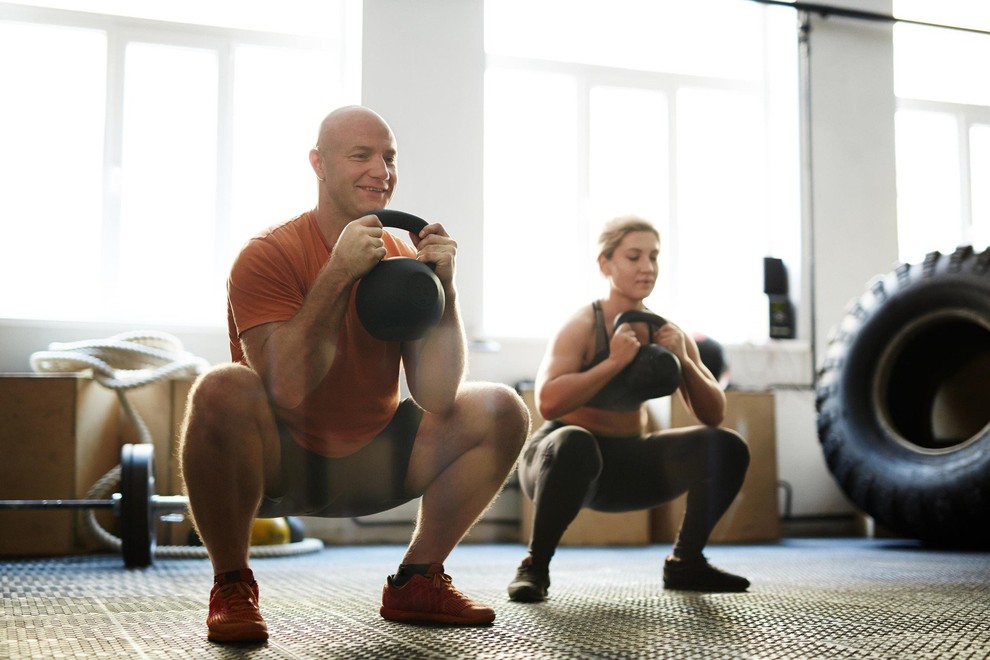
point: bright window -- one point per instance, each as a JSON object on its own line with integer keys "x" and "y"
{"x": 51, "y": 166}
{"x": 267, "y": 139}
{"x": 979, "y": 167}
{"x": 138, "y": 155}
{"x": 168, "y": 183}
{"x": 716, "y": 38}
{"x": 722, "y": 225}
{"x": 684, "y": 113}
{"x": 942, "y": 127}
{"x": 928, "y": 180}
{"x": 531, "y": 194}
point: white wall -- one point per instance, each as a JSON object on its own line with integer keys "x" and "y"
{"x": 423, "y": 70}
{"x": 854, "y": 196}
{"x": 850, "y": 220}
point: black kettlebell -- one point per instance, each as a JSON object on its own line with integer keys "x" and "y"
{"x": 400, "y": 298}
{"x": 655, "y": 372}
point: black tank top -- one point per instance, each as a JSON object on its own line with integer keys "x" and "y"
{"x": 603, "y": 399}
{"x": 601, "y": 336}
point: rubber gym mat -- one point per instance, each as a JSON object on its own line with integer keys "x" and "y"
{"x": 811, "y": 598}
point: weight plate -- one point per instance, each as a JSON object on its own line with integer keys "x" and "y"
{"x": 137, "y": 520}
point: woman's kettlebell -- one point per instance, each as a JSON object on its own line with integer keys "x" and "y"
{"x": 655, "y": 372}
{"x": 400, "y": 298}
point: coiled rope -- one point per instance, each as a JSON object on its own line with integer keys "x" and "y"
{"x": 124, "y": 362}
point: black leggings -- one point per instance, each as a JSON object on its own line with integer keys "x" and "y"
{"x": 566, "y": 468}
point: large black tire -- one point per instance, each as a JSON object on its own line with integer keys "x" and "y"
{"x": 903, "y": 400}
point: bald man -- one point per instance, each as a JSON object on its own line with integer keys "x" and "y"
{"x": 306, "y": 418}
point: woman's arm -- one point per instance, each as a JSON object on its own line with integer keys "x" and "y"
{"x": 699, "y": 390}
{"x": 561, "y": 386}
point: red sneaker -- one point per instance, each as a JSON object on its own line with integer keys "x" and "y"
{"x": 432, "y": 598}
{"x": 234, "y": 615}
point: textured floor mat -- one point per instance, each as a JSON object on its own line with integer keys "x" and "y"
{"x": 810, "y": 599}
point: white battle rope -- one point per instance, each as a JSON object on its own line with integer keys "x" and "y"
{"x": 124, "y": 362}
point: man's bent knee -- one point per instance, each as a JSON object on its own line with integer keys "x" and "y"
{"x": 226, "y": 385}
{"x": 491, "y": 415}
{"x": 509, "y": 417}
{"x": 513, "y": 407}
{"x": 223, "y": 399}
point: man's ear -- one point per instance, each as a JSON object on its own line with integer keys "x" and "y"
{"x": 316, "y": 161}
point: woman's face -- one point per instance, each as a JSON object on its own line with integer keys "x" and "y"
{"x": 632, "y": 268}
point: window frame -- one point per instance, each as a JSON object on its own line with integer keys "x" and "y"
{"x": 588, "y": 76}
{"x": 340, "y": 48}
{"x": 966, "y": 116}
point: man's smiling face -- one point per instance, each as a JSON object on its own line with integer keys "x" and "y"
{"x": 359, "y": 164}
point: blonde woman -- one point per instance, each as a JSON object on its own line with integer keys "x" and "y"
{"x": 594, "y": 451}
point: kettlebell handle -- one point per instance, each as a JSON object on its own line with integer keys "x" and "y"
{"x": 400, "y": 220}
{"x": 638, "y": 316}
{"x": 400, "y": 298}
{"x": 653, "y": 373}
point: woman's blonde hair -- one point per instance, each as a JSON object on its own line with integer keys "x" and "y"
{"x": 617, "y": 228}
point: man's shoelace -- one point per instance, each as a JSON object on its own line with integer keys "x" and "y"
{"x": 238, "y": 596}
{"x": 440, "y": 578}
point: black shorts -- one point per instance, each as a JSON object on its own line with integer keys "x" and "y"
{"x": 368, "y": 481}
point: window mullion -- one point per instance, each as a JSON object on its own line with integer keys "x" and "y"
{"x": 673, "y": 196}
{"x": 963, "y": 124}
{"x": 225, "y": 159}
{"x": 583, "y": 167}
{"x": 112, "y": 162}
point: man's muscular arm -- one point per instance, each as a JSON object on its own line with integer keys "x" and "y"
{"x": 293, "y": 356}
{"x": 436, "y": 364}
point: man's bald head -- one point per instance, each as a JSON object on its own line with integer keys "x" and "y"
{"x": 343, "y": 120}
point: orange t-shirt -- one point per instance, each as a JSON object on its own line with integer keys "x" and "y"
{"x": 268, "y": 283}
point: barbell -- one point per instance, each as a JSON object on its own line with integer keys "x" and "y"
{"x": 137, "y": 505}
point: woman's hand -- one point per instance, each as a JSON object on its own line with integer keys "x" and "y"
{"x": 624, "y": 345}
{"x": 699, "y": 389}
{"x": 672, "y": 338}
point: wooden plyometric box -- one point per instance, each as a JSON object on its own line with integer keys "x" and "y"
{"x": 59, "y": 434}
{"x": 753, "y": 515}
{"x": 593, "y": 528}
{"x": 57, "y": 437}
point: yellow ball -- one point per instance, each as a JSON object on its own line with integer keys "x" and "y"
{"x": 270, "y": 531}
